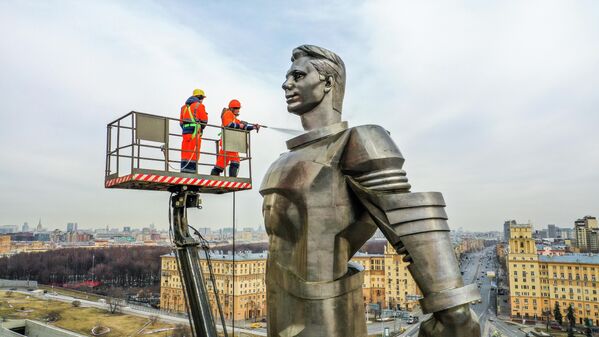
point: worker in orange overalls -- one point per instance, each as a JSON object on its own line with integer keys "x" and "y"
{"x": 193, "y": 121}
{"x": 224, "y": 158}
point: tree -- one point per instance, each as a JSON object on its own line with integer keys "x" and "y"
{"x": 557, "y": 314}
{"x": 571, "y": 320}
{"x": 114, "y": 300}
{"x": 53, "y": 316}
{"x": 114, "y": 305}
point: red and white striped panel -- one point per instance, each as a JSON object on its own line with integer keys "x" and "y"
{"x": 118, "y": 180}
{"x": 179, "y": 181}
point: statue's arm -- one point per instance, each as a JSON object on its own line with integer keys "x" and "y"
{"x": 415, "y": 224}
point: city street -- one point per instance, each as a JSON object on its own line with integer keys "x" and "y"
{"x": 475, "y": 270}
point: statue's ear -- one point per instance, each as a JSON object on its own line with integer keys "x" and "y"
{"x": 328, "y": 83}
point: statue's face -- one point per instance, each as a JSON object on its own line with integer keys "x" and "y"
{"x": 304, "y": 88}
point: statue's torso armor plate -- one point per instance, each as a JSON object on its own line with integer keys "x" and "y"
{"x": 315, "y": 225}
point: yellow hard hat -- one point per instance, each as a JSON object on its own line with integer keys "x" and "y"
{"x": 198, "y": 92}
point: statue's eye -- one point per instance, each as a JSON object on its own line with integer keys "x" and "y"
{"x": 297, "y": 75}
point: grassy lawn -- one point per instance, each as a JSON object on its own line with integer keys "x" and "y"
{"x": 72, "y": 293}
{"x": 80, "y": 320}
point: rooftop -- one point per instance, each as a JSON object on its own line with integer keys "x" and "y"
{"x": 361, "y": 254}
{"x": 572, "y": 258}
{"x": 222, "y": 256}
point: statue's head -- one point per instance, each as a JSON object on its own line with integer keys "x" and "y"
{"x": 315, "y": 74}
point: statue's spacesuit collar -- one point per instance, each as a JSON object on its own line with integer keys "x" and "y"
{"x": 317, "y": 134}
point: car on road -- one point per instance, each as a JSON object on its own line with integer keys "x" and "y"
{"x": 256, "y": 325}
{"x": 412, "y": 320}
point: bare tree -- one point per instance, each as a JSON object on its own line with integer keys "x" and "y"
{"x": 114, "y": 305}
{"x": 53, "y": 316}
{"x": 114, "y": 300}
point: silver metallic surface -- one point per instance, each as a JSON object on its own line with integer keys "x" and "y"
{"x": 324, "y": 199}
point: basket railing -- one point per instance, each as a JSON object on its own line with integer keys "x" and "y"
{"x": 144, "y": 141}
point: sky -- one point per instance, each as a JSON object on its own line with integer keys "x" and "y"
{"x": 493, "y": 103}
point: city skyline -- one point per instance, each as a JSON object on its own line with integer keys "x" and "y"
{"x": 491, "y": 105}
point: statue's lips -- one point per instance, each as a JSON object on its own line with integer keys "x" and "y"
{"x": 292, "y": 98}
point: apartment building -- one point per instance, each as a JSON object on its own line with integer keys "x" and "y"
{"x": 537, "y": 282}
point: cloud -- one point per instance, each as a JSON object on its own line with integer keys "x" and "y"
{"x": 75, "y": 69}
{"x": 493, "y": 104}
{"x": 490, "y": 100}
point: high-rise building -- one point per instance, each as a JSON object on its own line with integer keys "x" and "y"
{"x": 25, "y": 227}
{"x": 71, "y": 227}
{"x": 566, "y": 233}
{"x": 506, "y": 229}
{"x": 540, "y": 234}
{"x": 552, "y": 231}
{"x": 587, "y": 234}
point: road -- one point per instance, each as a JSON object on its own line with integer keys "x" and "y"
{"x": 475, "y": 270}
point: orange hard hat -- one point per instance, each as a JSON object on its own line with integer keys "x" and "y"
{"x": 234, "y": 104}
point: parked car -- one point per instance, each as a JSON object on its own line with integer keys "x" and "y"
{"x": 412, "y": 320}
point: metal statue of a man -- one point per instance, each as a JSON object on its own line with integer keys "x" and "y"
{"x": 325, "y": 197}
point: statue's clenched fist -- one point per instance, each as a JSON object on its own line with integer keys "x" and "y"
{"x": 455, "y": 322}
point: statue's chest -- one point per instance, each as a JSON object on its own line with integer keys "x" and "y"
{"x": 299, "y": 176}
{"x": 303, "y": 187}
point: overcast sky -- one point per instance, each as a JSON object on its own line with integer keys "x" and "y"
{"x": 493, "y": 103}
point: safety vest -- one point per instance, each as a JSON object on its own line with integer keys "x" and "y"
{"x": 188, "y": 118}
{"x": 193, "y": 123}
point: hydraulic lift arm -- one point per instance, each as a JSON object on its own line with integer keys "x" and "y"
{"x": 192, "y": 279}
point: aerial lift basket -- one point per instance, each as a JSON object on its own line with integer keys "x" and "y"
{"x": 143, "y": 152}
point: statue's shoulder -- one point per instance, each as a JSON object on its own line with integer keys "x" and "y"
{"x": 368, "y": 131}
{"x": 368, "y": 147}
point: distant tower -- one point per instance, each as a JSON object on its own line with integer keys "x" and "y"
{"x": 521, "y": 241}
{"x": 39, "y": 226}
{"x": 25, "y": 227}
{"x": 587, "y": 234}
{"x": 506, "y": 229}
{"x": 71, "y": 227}
{"x": 552, "y": 231}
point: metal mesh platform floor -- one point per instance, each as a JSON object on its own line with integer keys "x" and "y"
{"x": 166, "y": 181}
